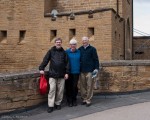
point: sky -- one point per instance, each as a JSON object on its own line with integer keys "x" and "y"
{"x": 141, "y": 17}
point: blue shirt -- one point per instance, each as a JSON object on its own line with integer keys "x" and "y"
{"x": 74, "y": 60}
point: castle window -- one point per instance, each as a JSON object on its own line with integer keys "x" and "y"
{"x": 53, "y": 35}
{"x": 139, "y": 52}
{"x": 3, "y": 36}
{"x": 72, "y": 33}
{"x": 115, "y": 35}
{"x": 91, "y": 33}
{"x": 22, "y": 35}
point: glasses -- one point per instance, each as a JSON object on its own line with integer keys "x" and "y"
{"x": 58, "y": 42}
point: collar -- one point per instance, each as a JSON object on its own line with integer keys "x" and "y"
{"x": 71, "y": 51}
{"x": 86, "y": 46}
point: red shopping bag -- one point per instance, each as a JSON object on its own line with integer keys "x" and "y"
{"x": 43, "y": 85}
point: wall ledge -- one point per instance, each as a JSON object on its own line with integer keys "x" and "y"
{"x": 35, "y": 73}
{"x": 125, "y": 63}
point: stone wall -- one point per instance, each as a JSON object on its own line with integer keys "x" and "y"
{"x": 78, "y": 5}
{"x": 25, "y": 42}
{"x": 124, "y": 76}
{"x": 21, "y": 34}
{"x": 104, "y": 30}
{"x": 20, "y": 90}
{"x": 26, "y": 33}
{"x": 141, "y": 47}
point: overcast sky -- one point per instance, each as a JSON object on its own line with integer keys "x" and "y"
{"x": 141, "y": 17}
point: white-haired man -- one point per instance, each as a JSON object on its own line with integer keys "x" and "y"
{"x": 89, "y": 65}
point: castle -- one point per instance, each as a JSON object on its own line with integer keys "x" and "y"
{"x": 28, "y": 29}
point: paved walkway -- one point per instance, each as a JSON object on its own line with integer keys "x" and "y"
{"x": 105, "y": 107}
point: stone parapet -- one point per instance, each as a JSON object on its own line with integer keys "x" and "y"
{"x": 20, "y": 90}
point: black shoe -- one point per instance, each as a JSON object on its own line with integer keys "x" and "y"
{"x": 70, "y": 104}
{"x": 88, "y": 104}
{"x": 58, "y": 107}
{"x": 50, "y": 109}
{"x": 83, "y": 103}
{"x": 75, "y": 103}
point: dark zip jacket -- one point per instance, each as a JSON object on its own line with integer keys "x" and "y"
{"x": 89, "y": 59}
{"x": 59, "y": 65}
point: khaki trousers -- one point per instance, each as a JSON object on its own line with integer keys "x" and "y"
{"x": 86, "y": 86}
{"x": 56, "y": 91}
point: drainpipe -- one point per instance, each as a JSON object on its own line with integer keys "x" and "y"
{"x": 132, "y": 29}
{"x": 117, "y": 6}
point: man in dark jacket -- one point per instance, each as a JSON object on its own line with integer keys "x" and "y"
{"x": 89, "y": 68}
{"x": 58, "y": 72}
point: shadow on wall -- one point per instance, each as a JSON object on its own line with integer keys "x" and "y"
{"x": 50, "y": 5}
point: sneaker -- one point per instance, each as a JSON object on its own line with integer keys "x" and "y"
{"x": 50, "y": 109}
{"x": 58, "y": 107}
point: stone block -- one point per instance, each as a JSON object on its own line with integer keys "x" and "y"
{"x": 3, "y": 106}
{"x": 16, "y": 105}
{"x": 35, "y": 102}
{"x": 3, "y": 95}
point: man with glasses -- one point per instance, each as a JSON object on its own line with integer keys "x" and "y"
{"x": 58, "y": 72}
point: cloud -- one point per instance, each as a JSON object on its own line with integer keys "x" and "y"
{"x": 141, "y": 15}
{"x": 142, "y": 1}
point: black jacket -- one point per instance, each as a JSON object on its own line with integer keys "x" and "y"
{"x": 59, "y": 64}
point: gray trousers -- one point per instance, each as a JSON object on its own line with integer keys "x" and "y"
{"x": 56, "y": 91}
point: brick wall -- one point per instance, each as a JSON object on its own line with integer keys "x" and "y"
{"x": 20, "y": 90}
{"x": 141, "y": 48}
{"x": 25, "y": 34}
{"x": 78, "y": 5}
{"x": 28, "y": 53}
{"x": 127, "y": 14}
{"x": 18, "y": 52}
{"x": 118, "y": 40}
{"x": 103, "y": 30}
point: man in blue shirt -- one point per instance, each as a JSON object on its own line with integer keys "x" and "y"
{"x": 89, "y": 67}
{"x": 72, "y": 82}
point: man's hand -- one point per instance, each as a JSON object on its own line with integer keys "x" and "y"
{"x": 95, "y": 71}
{"x": 66, "y": 76}
{"x": 41, "y": 72}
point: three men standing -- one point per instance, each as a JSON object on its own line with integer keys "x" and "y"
{"x": 83, "y": 61}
